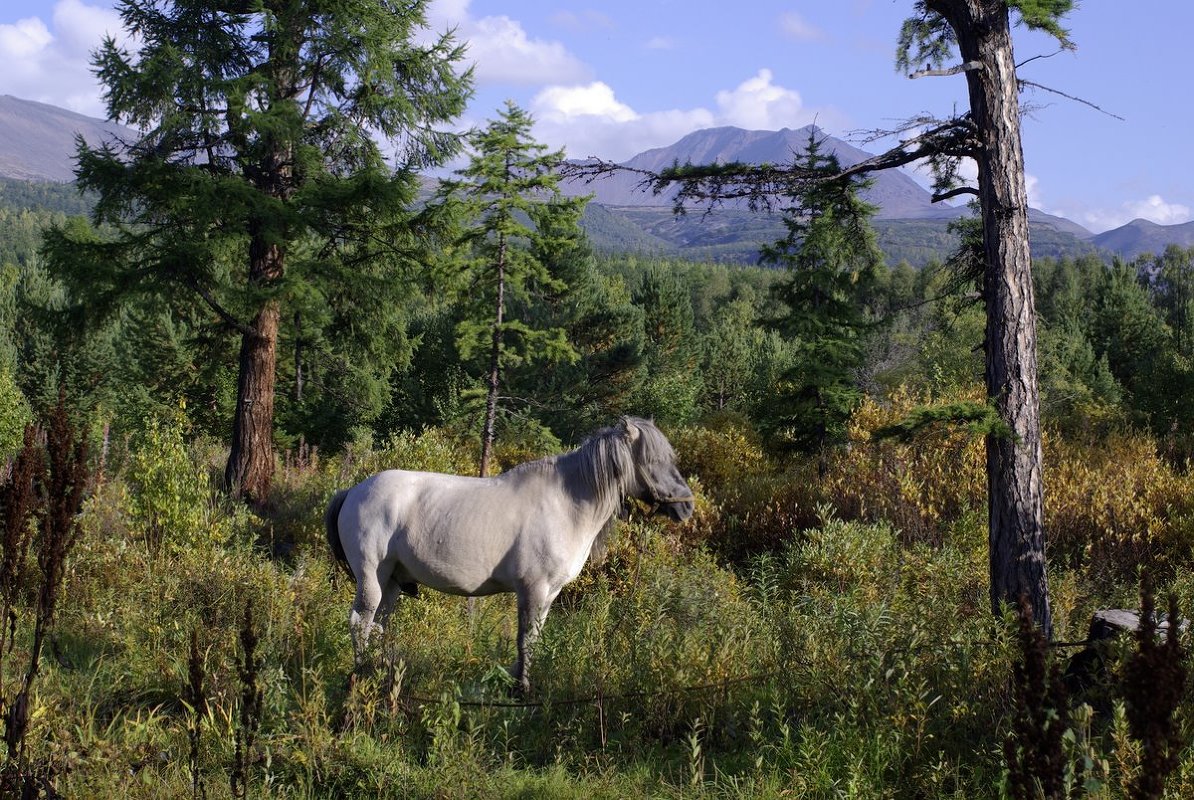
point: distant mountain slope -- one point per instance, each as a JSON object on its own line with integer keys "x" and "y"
{"x": 37, "y": 141}
{"x": 62, "y": 198}
{"x": 37, "y": 144}
{"x": 896, "y": 194}
{"x": 910, "y": 225}
{"x": 736, "y": 235}
{"x": 1141, "y": 236}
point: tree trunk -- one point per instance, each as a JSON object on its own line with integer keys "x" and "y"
{"x": 1016, "y": 516}
{"x": 250, "y": 467}
{"x": 251, "y": 460}
{"x": 298, "y": 357}
{"x": 495, "y": 361}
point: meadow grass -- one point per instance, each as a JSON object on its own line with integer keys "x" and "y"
{"x": 841, "y": 658}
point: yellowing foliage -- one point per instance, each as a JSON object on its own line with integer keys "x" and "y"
{"x": 1116, "y": 504}
{"x": 919, "y": 486}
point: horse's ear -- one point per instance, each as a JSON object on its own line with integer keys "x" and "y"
{"x": 630, "y": 429}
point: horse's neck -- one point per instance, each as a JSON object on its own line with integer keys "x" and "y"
{"x": 598, "y": 500}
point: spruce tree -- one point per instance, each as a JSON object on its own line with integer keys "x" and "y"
{"x": 832, "y": 259}
{"x": 257, "y": 185}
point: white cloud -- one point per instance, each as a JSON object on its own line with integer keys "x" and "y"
{"x": 1032, "y": 186}
{"x": 24, "y": 39}
{"x": 589, "y": 120}
{"x": 797, "y": 27}
{"x": 758, "y": 103}
{"x": 503, "y": 52}
{"x": 52, "y": 63}
{"x": 567, "y": 103}
{"x": 660, "y": 43}
{"x": 1154, "y": 208}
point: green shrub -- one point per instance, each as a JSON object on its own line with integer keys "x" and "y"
{"x": 14, "y": 415}
{"x": 836, "y": 657}
{"x": 171, "y": 500}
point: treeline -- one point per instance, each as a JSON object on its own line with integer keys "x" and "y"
{"x": 681, "y": 341}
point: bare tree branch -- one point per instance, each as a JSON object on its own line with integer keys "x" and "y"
{"x": 956, "y": 192}
{"x": 1036, "y": 85}
{"x": 224, "y": 314}
{"x": 968, "y": 66}
{"x": 1040, "y": 56}
{"x": 760, "y": 186}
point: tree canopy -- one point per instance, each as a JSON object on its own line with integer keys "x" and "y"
{"x": 272, "y": 183}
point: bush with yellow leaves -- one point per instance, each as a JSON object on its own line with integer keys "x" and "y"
{"x": 1116, "y": 504}
{"x": 1112, "y": 504}
{"x": 747, "y": 502}
{"x": 919, "y": 485}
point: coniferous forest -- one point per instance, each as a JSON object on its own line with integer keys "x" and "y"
{"x": 174, "y": 624}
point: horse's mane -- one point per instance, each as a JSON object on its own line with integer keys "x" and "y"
{"x": 604, "y": 462}
{"x": 604, "y": 465}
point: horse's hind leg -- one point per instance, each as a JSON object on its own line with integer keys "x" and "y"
{"x": 364, "y": 608}
{"x": 390, "y": 593}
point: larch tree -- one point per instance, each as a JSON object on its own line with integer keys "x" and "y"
{"x": 259, "y": 170}
{"x": 980, "y": 31}
{"x": 510, "y": 206}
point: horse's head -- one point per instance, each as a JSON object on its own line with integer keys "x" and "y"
{"x": 657, "y": 481}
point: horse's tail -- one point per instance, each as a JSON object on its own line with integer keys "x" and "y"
{"x": 331, "y": 524}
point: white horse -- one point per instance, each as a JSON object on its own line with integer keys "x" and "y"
{"x": 529, "y": 530}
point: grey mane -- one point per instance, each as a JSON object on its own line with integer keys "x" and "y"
{"x": 604, "y": 464}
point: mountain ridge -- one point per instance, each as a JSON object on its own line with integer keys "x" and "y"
{"x": 730, "y": 232}
{"x": 1144, "y": 236}
{"x": 37, "y": 144}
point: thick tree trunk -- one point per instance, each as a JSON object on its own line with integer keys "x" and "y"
{"x": 1016, "y": 516}
{"x": 250, "y": 467}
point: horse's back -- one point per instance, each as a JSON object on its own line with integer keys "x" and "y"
{"x": 438, "y": 529}
{"x": 391, "y": 502}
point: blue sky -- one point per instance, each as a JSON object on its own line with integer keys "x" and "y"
{"x": 612, "y": 78}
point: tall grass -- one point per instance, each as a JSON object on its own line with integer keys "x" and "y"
{"x": 783, "y": 643}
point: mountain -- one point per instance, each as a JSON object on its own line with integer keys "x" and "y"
{"x": 37, "y": 144}
{"x": 909, "y": 224}
{"x": 897, "y": 195}
{"x": 1141, "y": 236}
{"x": 37, "y": 141}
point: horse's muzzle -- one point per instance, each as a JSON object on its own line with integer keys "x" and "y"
{"x": 677, "y": 511}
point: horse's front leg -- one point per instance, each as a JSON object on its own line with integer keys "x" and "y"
{"x": 533, "y": 604}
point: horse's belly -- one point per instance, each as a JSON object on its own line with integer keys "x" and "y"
{"x": 452, "y": 574}
{"x": 483, "y": 590}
